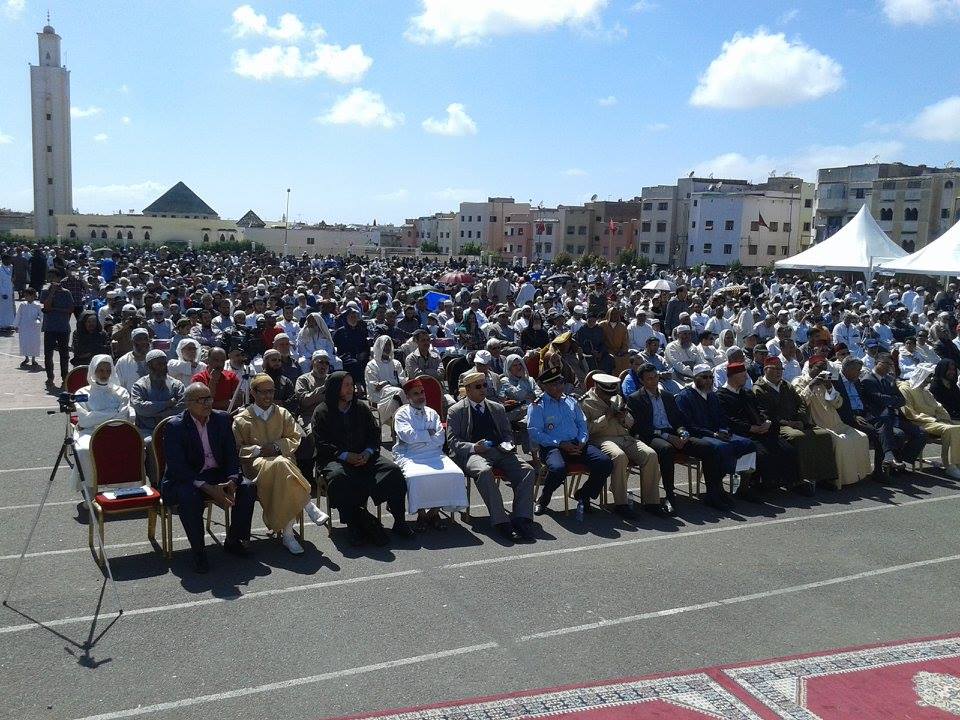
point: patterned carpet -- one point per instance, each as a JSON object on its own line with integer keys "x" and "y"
{"x": 909, "y": 680}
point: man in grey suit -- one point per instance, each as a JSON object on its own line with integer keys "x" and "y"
{"x": 480, "y": 440}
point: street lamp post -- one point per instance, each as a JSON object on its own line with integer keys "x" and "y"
{"x": 286, "y": 223}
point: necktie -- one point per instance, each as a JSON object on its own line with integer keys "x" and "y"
{"x": 478, "y": 408}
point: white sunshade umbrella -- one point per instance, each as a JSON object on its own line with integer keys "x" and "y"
{"x": 660, "y": 285}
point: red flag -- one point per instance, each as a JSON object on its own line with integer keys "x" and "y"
{"x": 612, "y": 226}
{"x": 541, "y": 228}
{"x": 762, "y": 223}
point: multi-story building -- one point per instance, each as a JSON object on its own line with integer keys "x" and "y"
{"x": 547, "y": 231}
{"x": 607, "y": 241}
{"x": 576, "y": 224}
{"x": 915, "y": 211}
{"x": 752, "y": 224}
{"x": 447, "y": 233}
{"x": 484, "y": 223}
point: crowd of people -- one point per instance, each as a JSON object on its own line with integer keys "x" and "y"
{"x": 282, "y": 376}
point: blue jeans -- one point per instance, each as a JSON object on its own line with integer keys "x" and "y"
{"x": 556, "y": 461}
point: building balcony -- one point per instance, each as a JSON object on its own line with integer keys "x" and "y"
{"x": 831, "y": 204}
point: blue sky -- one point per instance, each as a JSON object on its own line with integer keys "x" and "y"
{"x": 549, "y": 100}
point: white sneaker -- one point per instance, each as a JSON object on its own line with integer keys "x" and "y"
{"x": 316, "y": 514}
{"x": 290, "y": 541}
{"x": 953, "y": 471}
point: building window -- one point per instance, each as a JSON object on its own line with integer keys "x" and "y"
{"x": 945, "y": 214}
{"x": 103, "y": 234}
{"x": 582, "y": 230}
{"x": 693, "y": 224}
{"x": 461, "y": 233}
{"x": 648, "y": 206}
{"x": 948, "y": 185}
{"x": 310, "y": 240}
{"x": 206, "y": 238}
{"x": 806, "y": 227}
{"x": 911, "y": 214}
{"x": 93, "y": 234}
{"x": 548, "y": 248}
{"x": 707, "y": 248}
{"x": 755, "y": 226}
{"x": 886, "y": 214}
{"x": 50, "y": 212}
{"x": 858, "y": 193}
{"x": 771, "y": 249}
{"x": 708, "y": 225}
{"x": 49, "y": 148}
{"x": 493, "y": 218}
{"x": 787, "y": 227}
{"x": 469, "y": 233}
{"x": 519, "y": 231}
{"x": 129, "y": 235}
{"x": 889, "y": 185}
{"x": 49, "y": 181}
{"x": 73, "y": 234}
{"x": 751, "y": 249}
{"x": 508, "y": 218}
{"x": 773, "y": 226}
{"x": 728, "y": 249}
{"x": 645, "y": 226}
{"x": 645, "y": 247}
{"x": 659, "y": 248}
{"x": 661, "y": 227}
{"x": 599, "y": 219}
{"x": 461, "y": 218}
{"x": 146, "y": 235}
{"x": 662, "y": 206}
{"x": 728, "y": 225}
{"x": 571, "y": 229}
{"x": 478, "y": 234}
{"x": 784, "y": 249}
{"x": 908, "y": 244}
{"x": 549, "y": 229}
{"x": 469, "y": 218}
{"x": 914, "y": 184}
{"x": 808, "y": 203}
{"x": 695, "y": 201}
{"x": 581, "y": 249}
{"x": 570, "y": 249}
{"x": 49, "y": 116}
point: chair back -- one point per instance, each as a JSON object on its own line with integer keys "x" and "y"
{"x": 76, "y": 379}
{"x": 588, "y": 380}
{"x": 533, "y": 366}
{"x": 623, "y": 374}
{"x": 434, "y": 393}
{"x": 157, "y": 447}
{"x": 455, "y": 369}
{"x": 116, "y": 454}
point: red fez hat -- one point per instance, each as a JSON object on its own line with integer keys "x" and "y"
{"x": 772, "y": 360}
{"x": 817, "y": 359}
{"x": 415, "y": 383}
{"x": 734, "y": 368}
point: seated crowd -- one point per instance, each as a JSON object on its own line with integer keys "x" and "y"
{"x": 280, "y": 389}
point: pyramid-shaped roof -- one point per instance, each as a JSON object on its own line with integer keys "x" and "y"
{"x": 941, "y": 257}
{"x": 251, "y": 220}
{"x": 859, "y": 246}
{"x": 180, "y": 200}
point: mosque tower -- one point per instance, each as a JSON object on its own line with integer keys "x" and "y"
{"x": 50, "y": 103}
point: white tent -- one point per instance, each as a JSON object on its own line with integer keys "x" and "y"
{"x": 859, "y": 246}
{"x": 941, "y": 257}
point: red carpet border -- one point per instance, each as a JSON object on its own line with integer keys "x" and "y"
{"x": 910, "y": 680}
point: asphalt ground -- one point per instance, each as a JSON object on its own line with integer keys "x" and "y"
{"x": 449, "y": 615}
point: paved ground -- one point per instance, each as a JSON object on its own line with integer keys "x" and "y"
{"x": 452, "y": 615}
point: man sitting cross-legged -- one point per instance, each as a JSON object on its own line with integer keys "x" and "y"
{"x": 201, "y": 464}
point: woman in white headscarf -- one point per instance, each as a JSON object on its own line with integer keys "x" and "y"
{"x": 518, "y": 391}
{"x": 315, "y": 335}
{"x": 187, "y": 363}
{"x": 923, "y": 409}
{"x": 385, "y": 378}
{"x": 106, "y": 400}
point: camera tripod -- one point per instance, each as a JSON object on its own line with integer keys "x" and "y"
{"x": 68, "y": 453}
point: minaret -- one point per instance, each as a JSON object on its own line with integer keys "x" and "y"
{"x": 50, "y": 102}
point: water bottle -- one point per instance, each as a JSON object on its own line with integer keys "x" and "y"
{"x": 734, "y": 483}
{"x": 580, "y": 510}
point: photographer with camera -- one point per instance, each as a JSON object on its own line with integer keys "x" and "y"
{"x": 57, "y": 308}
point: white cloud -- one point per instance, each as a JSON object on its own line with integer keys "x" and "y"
{"x": 5, "y": 139}
{"x": 575, "y": 172}
{"x": 364, "y": 108}
{"x": 13, "y": 9}
{"x": 608, "y": 101}
{"x": 789, "y": 16}
{"x": 802, "y": 163}
{"x": 78, "y": 113}
{"x": 920, "y": 12}
{"x": 643, "y": 6}
{"x": 657, "y": 127}
{"x": 940, "y": 121}
{"x": 289, "y": 28}
{"x": 345, "y": 65}
{"x": 456, "y": 123}
{"x": 766, "y": 70}
{"x": 396, "y": 195}
{"x": 464, "y": 23}
{"x": 125, "y": 120}
{"x": 107, "y": 198}
{"x": 101, "y": 137}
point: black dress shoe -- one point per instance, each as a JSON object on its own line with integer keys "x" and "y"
{"x": 402, "y": 528}
{"x": 236, "y": 547}
{"x": 805, "y": 488}
{"x": 624, "y": 510}
{"x": 715, "y": 501}
{"x": 524, "y": 528}
{"x": 541, "y": 506}
{"x": 667, "y": 505}
{"x": 82, "y": 510}
{"x": 200, "y": 564}
{"x": 506, "y": 531}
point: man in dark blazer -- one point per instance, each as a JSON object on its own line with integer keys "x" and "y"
{"x": 481, "y": 440}
{"x": 659, "y": 423}
{"x": 852, "y": 412}
{"x": 884, "y": 403}
{"x": 202, "y": 463}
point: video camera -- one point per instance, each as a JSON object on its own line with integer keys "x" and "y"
{"x": 67, "y": 401}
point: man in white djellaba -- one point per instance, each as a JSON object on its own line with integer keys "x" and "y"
{"x": 434, "y": 481}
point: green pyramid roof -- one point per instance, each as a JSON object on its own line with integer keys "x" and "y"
{"x": 180, "y": 200}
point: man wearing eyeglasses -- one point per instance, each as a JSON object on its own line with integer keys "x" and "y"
{"x": 202, "y": 464}
{"x": 481, "y": 440}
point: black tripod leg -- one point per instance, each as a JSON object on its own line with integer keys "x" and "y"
{"x": 36, "y": 519}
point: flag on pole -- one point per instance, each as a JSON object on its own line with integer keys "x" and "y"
{"x": 612, "y": 226}
{"x": 541, "y": 228}
{"x": 761, "y": 222}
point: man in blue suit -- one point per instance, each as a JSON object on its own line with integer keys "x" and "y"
{"x": 202, "y": 463}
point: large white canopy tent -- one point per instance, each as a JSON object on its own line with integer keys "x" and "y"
{"x": 859, "y": 246}
{"x": 941, "y": 257}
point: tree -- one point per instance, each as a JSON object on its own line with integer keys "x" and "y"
{"x": 562, "y": 260}
{"x": 470, "y": 249}
{"x": 430, "y": 247}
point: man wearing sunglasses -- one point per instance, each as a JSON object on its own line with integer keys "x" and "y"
{"x": 202, "y": 464}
